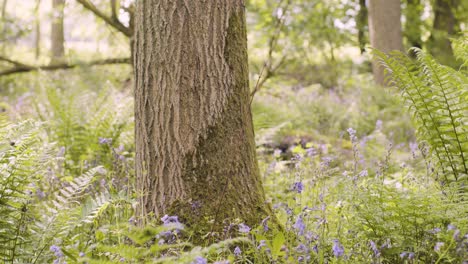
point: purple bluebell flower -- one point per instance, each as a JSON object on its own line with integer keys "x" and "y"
{"x": 451, "y": 227}
{"x": 81, "y": 254}
{"x": 338, "y": 249}
{"x": 403, "y": 254}
{"x": 170, "y": 220}
{"x": 122, "y": 259}
{"x": 379, "y": 124}
{"x": 315, "y": 248}
{"x": 104, "y": 141}
{"x": 438, "y": 246}
{"x": 298, "y": 187}
{"x": 243, "y": 228}
{"x": 411, "y": 255}
{"x": 301, "y": 248}
{"x": 261, "y": 244}
{"x": 363, "y": 173}
{"x": 237, "y": 252}
{"x": 352, "y": 134}
{"x": 299, "y": 226}
{"x": 265, "y": 223}
{"x": 374, "y": 248}
{"x": 199, "y": 260}
{"x": 40, "y": 194}
{"x": 57, "y": 251}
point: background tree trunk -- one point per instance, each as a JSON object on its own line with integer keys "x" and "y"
{"x": 413, "y": 24}
{"x": 362, "y": 24}
{"x": 384, "y": 30}
{"x": 57, "y": 32}
{"x": 195, "y": 149}
{"x": 38, "y": 29}
{"x": 445, "y": 26}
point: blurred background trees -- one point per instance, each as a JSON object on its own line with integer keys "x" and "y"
{"x": 351, "y": 176}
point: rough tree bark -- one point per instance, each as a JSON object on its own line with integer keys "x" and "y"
{"x": 445, "y": 26}
{"x": 57, "y": 32}
{"x": 384, "y": 30}
{"x": 195, "y": 150}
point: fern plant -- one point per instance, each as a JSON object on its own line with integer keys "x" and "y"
{"x": 87, "y": 124}
{"x": 436, "y": 96}
{"x": 23, "y": 160}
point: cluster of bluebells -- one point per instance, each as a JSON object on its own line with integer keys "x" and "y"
{"x": 57, "y": 253}
{"x": 169, "y": 236}
{"x": 243, "y": 228}
{"x": 338, "y": 249}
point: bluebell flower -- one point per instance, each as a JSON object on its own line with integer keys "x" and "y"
{"x": 374, "y": 248}
{"x": 81, "y": 254}
{"x": 299, "y": 225}
{"x": 57, "y": 251}
{"x": 411, "y": 255}
{"x": 261, "y": 244}
{"x": 237, "y": 252}
{"x": 298, "y": 187}
{"x": 170, "y": 219}
{"x": 438, "y": 245}
{"x": 301, "y": 248}
{"x": 315, "y": 248}
{"x": 403, "y": 254}
{"x": 363, "y": 173}
{"x": 265, "y": 223}
{"x": 104, "y": 141}
{"x": 122, "y": 259}
{"x": 243, "y": 228}
{"x": 338, "y": 249}
{"x": 199, "y": 260}
{"x": 451, "y": 227}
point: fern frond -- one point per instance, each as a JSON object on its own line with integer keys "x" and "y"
{"x": 436, "y": 98}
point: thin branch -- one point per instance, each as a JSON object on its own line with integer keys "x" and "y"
{"x": 16, "y": 63}
{"x": 22, "y": 68}
{"x": 114, "y": 22}
{"x": 268, "y": 67}
{"x": 113, "y": 9}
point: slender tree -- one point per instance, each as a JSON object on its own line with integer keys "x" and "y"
{"x": 384, "y": 30}
{"x": 195, "y": 150}
{"x": 445, "y": 26}
{"x": 38, "y": 28}
{"x": 413, "y": 23}
{"x": 57, "y": 32}
{"x": 362, "y": 25}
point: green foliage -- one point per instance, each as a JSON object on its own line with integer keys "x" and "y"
{"x": 88, "y": 138}
{"x": 22, "y": 162}
{"x": 436, "y": 97}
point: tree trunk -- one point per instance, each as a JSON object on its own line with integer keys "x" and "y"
{"x": 4, "y": 7}
{"x": 57, "y": 32}
{"x": 195, "y": 149}
{"x": 413, "y": 24}
{"x": 38, "y": 29}
{"x": 384, "y": 30}
{"x": 362, "y": 24}
{"x": 445, "y": 26}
